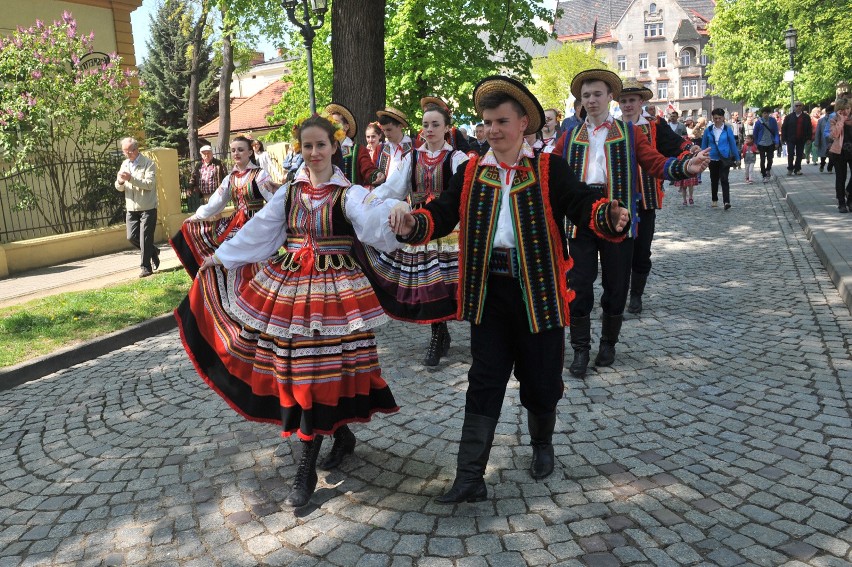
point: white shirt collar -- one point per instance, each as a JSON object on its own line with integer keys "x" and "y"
{"x": 490, "y": 159}
{"x": 337, "y": 178}
{"x": 424, "y": 149}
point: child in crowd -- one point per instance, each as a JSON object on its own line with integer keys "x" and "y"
{"x": 749, "y": 153}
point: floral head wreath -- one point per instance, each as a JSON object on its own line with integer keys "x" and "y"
{"x": 339, "y": 131}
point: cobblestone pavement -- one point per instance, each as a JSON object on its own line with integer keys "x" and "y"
{"x": 721, "y": 437}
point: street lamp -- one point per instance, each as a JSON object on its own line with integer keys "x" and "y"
{"x": 318, "y": 7}
{"x": 790, "y": 40}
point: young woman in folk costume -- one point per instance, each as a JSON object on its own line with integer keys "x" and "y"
{"x": 420, "y": 283}
{"x": 286, "y": 337}
{"x": 248, "y": 187}
{"x": 353, "y": 158}
{"x": 453, "y": 136}
{"x": 375, "y": 138}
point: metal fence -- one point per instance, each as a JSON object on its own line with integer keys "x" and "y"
{"x": 57, "y": 198}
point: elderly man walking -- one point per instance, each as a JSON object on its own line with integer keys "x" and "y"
{"x": 796, "y": 130}
{"x": 137, "y": 179}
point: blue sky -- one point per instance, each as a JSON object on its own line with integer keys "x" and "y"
{"x": 141, "y": 18}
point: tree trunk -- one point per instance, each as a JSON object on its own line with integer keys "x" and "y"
{"x": 358, "y": 56}
{"x": 195, "y": 80}
{"x": 225, "y": 89}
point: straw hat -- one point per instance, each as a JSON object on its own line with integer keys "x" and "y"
{"x": 335, "y": 108}
{"x": 397, "y": 115}
{"x": 608, "y": 77}
{"x": 516, "y": 90}
{"x": 437, "y": 101}
{"x": 634, "y": 87}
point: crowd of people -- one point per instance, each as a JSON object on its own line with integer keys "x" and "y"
{"x": 505, "y": 229}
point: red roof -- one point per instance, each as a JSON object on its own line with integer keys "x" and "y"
{"x": 250, "y": 114}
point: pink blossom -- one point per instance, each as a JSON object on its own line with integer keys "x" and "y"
{"x": 75, "y": 59}
{"x": 39, "y": 23}
{"x": 19, "y": 115}
{"x": 36, "y": 74}
{"x": 67, "y": 17}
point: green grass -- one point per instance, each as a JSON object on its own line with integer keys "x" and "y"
{"x": 44, "y": 325}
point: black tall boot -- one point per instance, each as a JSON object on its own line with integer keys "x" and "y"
{"x": 445, "y": 339}
{"x": 609, "y": 336}
{"x": 581, "y": 342}
{"x": 474, "y": 449}
{"x": 433, "y": 353}
{"x": 344, "y": 444}
{"x": 637, "y": 288}
{"x": 541, "y": 439}
{"x": 306, "y": 474}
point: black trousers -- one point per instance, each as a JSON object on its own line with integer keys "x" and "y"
{"x": 140, "y": 233}
{"x": 719, "y": 173}
{"x": 503, "y": 341}
{"x": 616, "y": 260}
{"x": 767, "y": 154}
{"x": 842, "y": 189}
{"x": 795, "y": 153}
{"x": 642, "y": 242}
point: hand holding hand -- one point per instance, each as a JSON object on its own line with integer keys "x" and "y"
{"x": 401, "y": 221}
{"x": 698, "y": 162}
{"x": 618, "y": 215}
{"x": 380, "y": 178}
{"x": 209, "y": 262}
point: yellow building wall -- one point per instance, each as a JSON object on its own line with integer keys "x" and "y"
{"x": 35, "y": 253}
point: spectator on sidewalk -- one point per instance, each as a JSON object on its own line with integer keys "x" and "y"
{"x": 767, "y": 138}
{"x": 795, "y": 131}
{"x": 811, "y": 154}
{"x": 137, "y": 179}
{"x": 206, "y": 176}
{"x": 675, "y": 125}
{"x": 723, "y": 155}
{"x": 841, "y": 153}
{"x": 823, "y": 131}
{"x": 479, "y": 144}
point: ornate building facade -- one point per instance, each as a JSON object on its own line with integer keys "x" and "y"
{"x": 659, "y": 42}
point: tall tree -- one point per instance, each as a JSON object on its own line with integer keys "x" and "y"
{"x": 199, "y": 65}
{"x": 748, "y": 56}
{"x": 225, "y": 75}
{"x": 552, "y": 74}
{"x": 352, "y": 21}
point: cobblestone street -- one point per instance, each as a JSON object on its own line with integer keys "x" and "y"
{"x": 721, "y": 436}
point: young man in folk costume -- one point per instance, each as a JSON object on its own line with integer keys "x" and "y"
{"x": 353, "y": 158}
{"x": 668, "y": 143}
{"x": 454, "y": 136}
{"x": 606, "y": 154}
{"x": 511, "y": 208}
{"x": 397, "y": 143}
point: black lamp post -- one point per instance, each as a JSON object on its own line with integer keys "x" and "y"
{"x": 308, "y": 31}
{"x": 790, "y": 36}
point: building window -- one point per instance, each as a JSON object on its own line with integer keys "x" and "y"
{"x": 663, "y": 90}
{"x": 661, "y": 59}
{"x": 693, "y": 87}
{"x": 686, "y": 57}
{"x": 703, "y": 59}
{"x": 622, "y": 62}
{"x": 684, "y": 88}
{"x": 653, "y": 8}
{"x": 703, "y": 87}
{"x": 643, "y": 61}
{"x": 654, "y": 30}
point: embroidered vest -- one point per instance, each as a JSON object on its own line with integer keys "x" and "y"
{"x": 429, "y": 178}
{"x": 385, "y": 156}
{"x": 622, "y": 169}
{"x": 350, "y": 164}
{"x": 247, "y": 197}
{"x": 652, "y": 188}
{"x": 542, "y": 261}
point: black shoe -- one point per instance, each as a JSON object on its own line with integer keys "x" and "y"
{"x": 344, "y": 444}
{"x": 541, "y": 439}
{"x": 145, "y": 273}
{"x": 305, "y": 481}
{"x": 474, "y": 450}
{"x": 637, "y": 288}
{"x": 727, "y": 206}
{"x": 821, "y": 168}
{"x": 842, "y": 208}
{"x": 433, "y": 353}
{"x": 445, "y": 340}
{"x": 581, "y": 341}
{"x": 155, "y": 259}
{"x": 609, "y": 337}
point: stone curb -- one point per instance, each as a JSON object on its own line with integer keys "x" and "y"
{"x": 36, "y": 368}
{"x": 837, "y": 267}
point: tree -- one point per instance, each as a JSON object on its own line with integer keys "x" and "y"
{"x": 748, "y": 56}
{"x": 199, "y": 73}
{"x": 60, "y": 103}
{"x": 553, "y": 74}
{"x": 430, "y": 48}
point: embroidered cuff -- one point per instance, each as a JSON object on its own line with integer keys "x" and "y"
{"x": 374, "y": 176}
{"x": 423, "y": 229}
{"x": 601, "y": 222}
{"x": 675, "y": 168}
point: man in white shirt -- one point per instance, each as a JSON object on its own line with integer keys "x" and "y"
{"x": 137, "y": 179}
